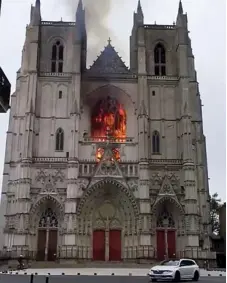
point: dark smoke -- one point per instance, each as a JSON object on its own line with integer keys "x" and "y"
{"x": 98, "y": 32}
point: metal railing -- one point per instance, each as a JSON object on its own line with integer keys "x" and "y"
{"x": 86, "y": 253}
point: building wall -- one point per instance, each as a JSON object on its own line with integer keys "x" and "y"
{"x": 34, "y": 171}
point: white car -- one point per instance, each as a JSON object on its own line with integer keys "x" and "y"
{"x": 175, "y": 270}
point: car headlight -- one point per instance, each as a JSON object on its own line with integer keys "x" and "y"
{"x": 168, "y": 271}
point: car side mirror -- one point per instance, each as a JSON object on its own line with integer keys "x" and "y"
{"x": 182, "y": 264}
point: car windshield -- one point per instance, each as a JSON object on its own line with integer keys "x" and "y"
{"x": 170, "y": 263}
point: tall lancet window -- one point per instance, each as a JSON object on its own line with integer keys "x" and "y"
{"x": 159, "y": 60}
{"x": 59, "y": 143}
{"x": 156, "y": 142}
{"x": 57, "y": 57}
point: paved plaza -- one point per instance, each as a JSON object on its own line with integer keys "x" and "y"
{"x": 90, "y": 279}
{"x": 141, "y": 272}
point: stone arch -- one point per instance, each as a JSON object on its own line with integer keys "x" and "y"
{"x": 107, "y": 208}
{"x": 167, "y": 199}
{"x": 46, "y": 218}
{"x": 54, "y": 38}
{"x": 98, "y": 185}
{"x": 160, "y": 41}
{"x": 92, "y": 97}
{"x": 169, "y": 205}
{"x": 114, "y": 91}
{"x": 35, "y": 209}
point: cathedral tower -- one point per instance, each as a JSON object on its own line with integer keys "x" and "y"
{"x": 108, "y": 162}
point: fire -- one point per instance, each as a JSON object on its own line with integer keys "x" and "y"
{"x": 108, "y": 120}
{"x": 115, "y": 151}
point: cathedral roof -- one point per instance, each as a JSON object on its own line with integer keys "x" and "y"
{"x": 108, "y": 62}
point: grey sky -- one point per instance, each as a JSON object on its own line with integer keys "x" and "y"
{"x": 207, "y": 30}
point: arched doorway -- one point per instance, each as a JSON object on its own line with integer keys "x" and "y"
{"x": 169, "y": 225}
{"x": 107, "y": 233}
{"x": 47, "y": 236}
{"x": 46, "y": 216}
{"x": 108, "y": 217}
{"x": 166, "y": 235}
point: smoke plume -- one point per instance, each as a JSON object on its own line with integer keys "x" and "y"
{"x": 98, "y": 32}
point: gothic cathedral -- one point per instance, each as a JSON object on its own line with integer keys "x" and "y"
{"x": 106, "y": 163}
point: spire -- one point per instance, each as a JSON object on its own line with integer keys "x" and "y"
{"x": 139, "y": 13}
{"x": 80, "y": 6}
{"x": 139, "y": 7}
{"x": 80, "y": 16}
{"x": 80, "y": 9}
{"x": 180, "y": 9}
{"x": 36, "y": 13}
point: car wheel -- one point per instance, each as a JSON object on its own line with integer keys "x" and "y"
{"x": 196, "y": 276}
{"x": 177, "y": 277}
{"x": 153, "y": 280}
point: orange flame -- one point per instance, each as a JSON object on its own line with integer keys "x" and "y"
{"x": 108, "y": 120}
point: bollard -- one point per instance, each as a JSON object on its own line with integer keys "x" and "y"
{"x": 47, "y": 279}
{"x": 31, "y": 278}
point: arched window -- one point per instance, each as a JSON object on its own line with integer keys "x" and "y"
{"x": 57, "y": 57}
{"x": 159, "y": 60}
{"x": 108, "y": 122}
{"x": 156, "y": 142}
{"x": 108, "y": 119}
{"x": 59, "y": 140}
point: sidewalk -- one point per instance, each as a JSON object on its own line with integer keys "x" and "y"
{"x": 103, "y": 271}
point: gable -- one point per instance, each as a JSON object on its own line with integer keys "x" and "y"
{"x": 108, "y": 166}
{"x": 108, "y": 62}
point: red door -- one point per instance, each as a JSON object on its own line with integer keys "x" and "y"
{"x": 52, "y": 247}
{"x": 160, "y": 244}
{"x": 115, "y": 245}
{"x": 99, "y": 245}
{"x": 171, "y": 239}
{"x": 41, "y": 245}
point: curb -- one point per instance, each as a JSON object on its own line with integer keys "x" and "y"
{"x": 79, "y": 274}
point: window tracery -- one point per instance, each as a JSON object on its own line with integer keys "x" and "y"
{"x": 108, "y": 119}
{"x": 108, "y": 122}
{"x": 165, "y": 219}
{"x": 48, "y": 219}
{"x": 59, "y": 146}
{"x": 160, "y": 60}
{"x": 57, "y": 57}
{"x": 156, "y": 142}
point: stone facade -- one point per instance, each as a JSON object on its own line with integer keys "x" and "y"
{"x": 52, "y": 178}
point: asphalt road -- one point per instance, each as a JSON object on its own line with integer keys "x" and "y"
{"x": 91, "y": 279}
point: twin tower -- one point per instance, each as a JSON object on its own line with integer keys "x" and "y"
{"x": 109, "y": 162}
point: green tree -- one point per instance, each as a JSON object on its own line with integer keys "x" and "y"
{"x": 215, "y": 203}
